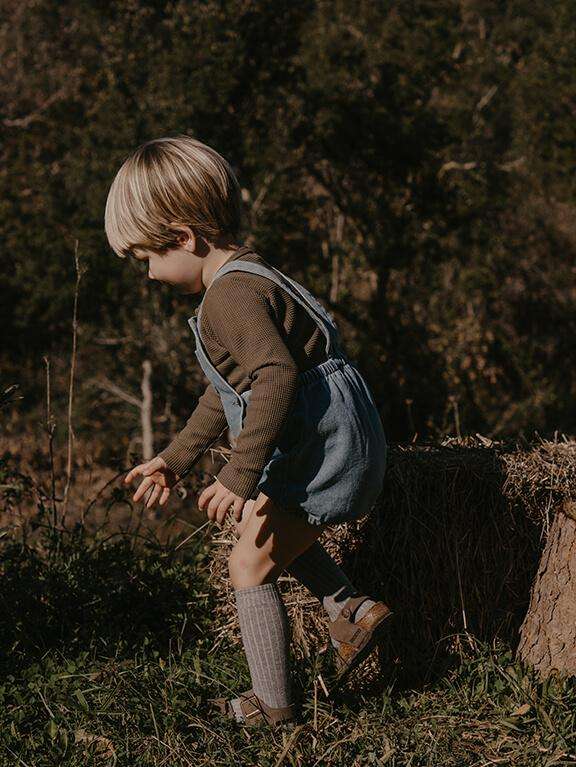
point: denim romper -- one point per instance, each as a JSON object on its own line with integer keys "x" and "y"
{"x": 330, "y": 459}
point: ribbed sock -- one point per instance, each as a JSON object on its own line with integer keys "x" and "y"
{"x": 265, "y": 633}
{"x": 321, "y": 575}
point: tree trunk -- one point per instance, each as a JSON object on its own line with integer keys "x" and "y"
{"x": 548, "y": 633}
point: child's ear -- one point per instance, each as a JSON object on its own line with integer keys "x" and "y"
{"x": 185, "y": 237}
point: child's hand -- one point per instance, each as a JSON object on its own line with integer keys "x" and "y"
{"x": 157, "y": 476}
{"x": 219, "y": 500}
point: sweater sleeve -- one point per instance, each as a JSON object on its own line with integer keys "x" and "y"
{"x": 205, "y": 424}
{"x": 242, "y": 321}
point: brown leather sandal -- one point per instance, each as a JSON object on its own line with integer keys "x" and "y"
{"x": 256, "y": 713}
{"x": 357, "y": 640}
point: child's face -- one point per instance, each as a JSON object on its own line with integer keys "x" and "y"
{"x": 177, "y": 267}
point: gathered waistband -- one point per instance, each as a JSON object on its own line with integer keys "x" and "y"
{"x": 323, "y": 369}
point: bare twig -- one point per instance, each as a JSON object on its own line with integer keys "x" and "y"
{"x": 453, "y": 165}
{"x": 79, "y": 273}
{"x": 50, "y": 427}
{"x": 36, "y": 114}
{"x": 7, "y": 395}
{"x": 110, "y": 386}
{"x": 99, "y": 493}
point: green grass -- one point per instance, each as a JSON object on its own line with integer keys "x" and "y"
{"x": 106, "y": 661}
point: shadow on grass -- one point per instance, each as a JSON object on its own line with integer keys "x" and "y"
{"x": 108, "y": 598}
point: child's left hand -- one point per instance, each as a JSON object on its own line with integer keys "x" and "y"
{"x": 219, "y": 500}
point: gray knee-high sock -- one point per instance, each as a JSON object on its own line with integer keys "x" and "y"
{"x": 266, "y": 637}
{"x": 322, "y": 576}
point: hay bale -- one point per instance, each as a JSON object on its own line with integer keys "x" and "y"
{"x": 452, "y": 546}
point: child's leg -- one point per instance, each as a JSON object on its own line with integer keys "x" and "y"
{"x": 270, "y": 540}
{"x": 320, "y": 574}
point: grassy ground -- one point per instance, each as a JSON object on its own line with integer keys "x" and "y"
{"x": 106, "y": 659}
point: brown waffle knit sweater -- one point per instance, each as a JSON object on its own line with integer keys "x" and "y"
{"x": 257, "y": 337}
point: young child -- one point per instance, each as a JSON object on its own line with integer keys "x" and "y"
{"x": 308, "y": 447}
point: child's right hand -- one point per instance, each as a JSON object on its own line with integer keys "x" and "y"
{"x": 157, "y": 476}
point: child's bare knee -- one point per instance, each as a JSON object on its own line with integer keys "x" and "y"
{"x": 239, "y": 565}
{"x": 245, "y": 570}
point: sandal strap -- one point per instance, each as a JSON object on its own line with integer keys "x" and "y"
{"x": 252, "y": 706}
{"x": 343, "y": 629}
{"x": 224, "y": 705}
{"x": 249, "y": 705}
{"x": 254, "y": 710}
{"x": 352, "y": 605}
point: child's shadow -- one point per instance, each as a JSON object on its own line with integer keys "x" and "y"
{"x": 449, "y": 554}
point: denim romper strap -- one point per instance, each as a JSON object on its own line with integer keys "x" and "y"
{"x": 235, "y": 404}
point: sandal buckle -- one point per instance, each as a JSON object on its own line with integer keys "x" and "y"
{"x": 356, "y": 634}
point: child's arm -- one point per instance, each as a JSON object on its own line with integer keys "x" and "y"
{"x": 243, "y": 321}
{"x": 167, "y": 468}
{"x": 202, "y": 428}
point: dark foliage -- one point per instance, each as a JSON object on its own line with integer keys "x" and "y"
{"x": 411, "y": 162}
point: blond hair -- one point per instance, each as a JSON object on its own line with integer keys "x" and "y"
{"x": 171, "y": 180}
